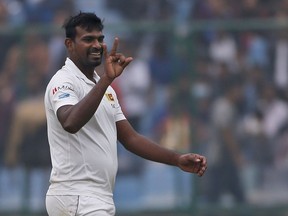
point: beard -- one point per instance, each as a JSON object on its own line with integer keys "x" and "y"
{"x": 94, "y": 63}
{"x": 94, "y": 57}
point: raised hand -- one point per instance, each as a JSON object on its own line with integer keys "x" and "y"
{"x": 115, "y": 62}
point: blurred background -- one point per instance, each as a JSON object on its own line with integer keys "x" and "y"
{"x": 208, "y": 76}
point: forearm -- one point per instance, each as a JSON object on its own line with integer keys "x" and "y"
{"x": 149, "y": 150}
{"x": 75, "y": 117}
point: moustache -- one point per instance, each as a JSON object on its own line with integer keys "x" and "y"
{"x": 95, "y": 50}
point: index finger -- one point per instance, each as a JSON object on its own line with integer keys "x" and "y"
{"x": 115, "y": 46}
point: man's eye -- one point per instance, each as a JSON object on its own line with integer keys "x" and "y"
{"x": 88, "y": 39}
{"x": 101, "y": 39}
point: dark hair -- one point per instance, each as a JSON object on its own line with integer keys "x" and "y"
{"x": 88, "y": 21}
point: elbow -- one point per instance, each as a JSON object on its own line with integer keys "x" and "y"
{"x": 70, "y": 128}
{"x": 68, "y": 120}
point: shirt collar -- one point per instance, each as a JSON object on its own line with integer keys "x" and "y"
{"x": 75, "y": 70}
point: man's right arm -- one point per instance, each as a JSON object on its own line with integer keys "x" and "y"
{"x": 74, "y": 117}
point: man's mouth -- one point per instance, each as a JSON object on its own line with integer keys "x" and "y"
{"x": 96, "y": 54}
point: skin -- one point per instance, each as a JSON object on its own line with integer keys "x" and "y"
{"x": 73, "y": 118}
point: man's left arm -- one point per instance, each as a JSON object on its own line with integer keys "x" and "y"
{"x": 145, "y": 148}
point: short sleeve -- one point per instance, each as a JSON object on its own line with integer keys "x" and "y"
{"x": 63, "y": 91}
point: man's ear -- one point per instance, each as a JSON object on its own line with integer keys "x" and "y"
{"x": 69, "y": 44}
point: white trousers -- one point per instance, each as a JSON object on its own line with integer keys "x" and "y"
{"x": 78, "y": 206}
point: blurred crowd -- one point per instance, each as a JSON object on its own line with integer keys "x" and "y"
{"x": 218, "y": 91}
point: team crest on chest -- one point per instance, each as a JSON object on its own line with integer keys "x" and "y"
{"x": 111, "y": 100}
{"x": 109, "y": 96}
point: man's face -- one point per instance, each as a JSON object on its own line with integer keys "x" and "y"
{"x": 86, "y": 50}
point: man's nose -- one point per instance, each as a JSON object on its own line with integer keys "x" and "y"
{"x": 97, "y": 44}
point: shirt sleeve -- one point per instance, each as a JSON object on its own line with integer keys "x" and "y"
{"x": 63, "y": 91}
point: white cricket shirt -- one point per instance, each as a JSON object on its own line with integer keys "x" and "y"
{"x": 84, "y": 163}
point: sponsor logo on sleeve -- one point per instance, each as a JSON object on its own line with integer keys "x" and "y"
{"x": 63, "y": 87}
{"x": 64, "y": 95}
